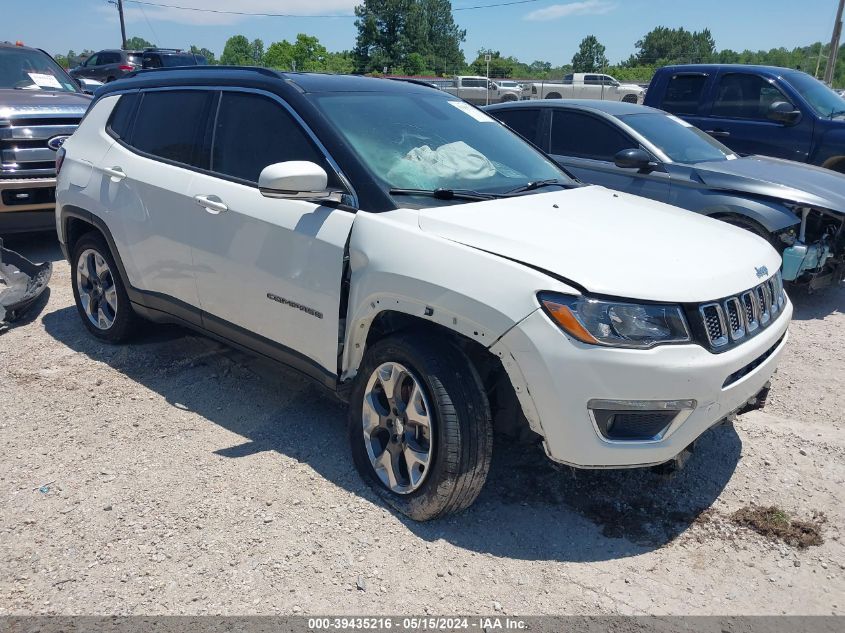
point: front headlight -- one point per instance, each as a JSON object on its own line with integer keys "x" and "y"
{"x": 616, "y": 323}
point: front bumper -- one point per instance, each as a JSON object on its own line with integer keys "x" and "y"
{"x": 562, "y": 376}
{"x": 27, "y": 204}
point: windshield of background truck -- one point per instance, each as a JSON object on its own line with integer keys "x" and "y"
{"x": 28, "y": 69}
{"x": 821, "y": 98}
{"x": 419, "y": 141}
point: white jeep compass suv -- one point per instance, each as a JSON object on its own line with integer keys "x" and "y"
{"x": 420, "y": 260}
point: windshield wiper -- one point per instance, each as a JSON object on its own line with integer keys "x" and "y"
{"x": 539, "y": 184}
{"x": 836, "y": 113}
{"x": 445, "y": 194}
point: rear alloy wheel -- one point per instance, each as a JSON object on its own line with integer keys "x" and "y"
{"x": 419, "y": 426}
{"x": 101, "y": 298}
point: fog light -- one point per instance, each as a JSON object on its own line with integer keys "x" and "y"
{"x": 638, "y": 420}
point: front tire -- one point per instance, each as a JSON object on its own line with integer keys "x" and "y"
{"x": 419, "y": 426}
{"x": 98, "y": 290}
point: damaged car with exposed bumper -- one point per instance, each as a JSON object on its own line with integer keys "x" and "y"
{"x": 21, "y": 283}
{"x": 799, "y": 208}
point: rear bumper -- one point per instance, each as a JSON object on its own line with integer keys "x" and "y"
{"x": 27, "y": 204}
{"x": 567, "y": 379}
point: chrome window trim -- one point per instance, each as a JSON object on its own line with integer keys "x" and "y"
{"x": 220, "y": 89}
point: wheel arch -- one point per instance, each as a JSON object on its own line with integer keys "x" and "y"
{"x": 510, "y": 414}
{"x": 771, "y": 216}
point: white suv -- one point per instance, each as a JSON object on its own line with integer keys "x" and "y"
{"x": 422, "y": 261}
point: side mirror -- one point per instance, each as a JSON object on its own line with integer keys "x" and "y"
{"x": 295, "y": 180}
{"x": 783, "y": 112}
{"x": 634, "y": 159}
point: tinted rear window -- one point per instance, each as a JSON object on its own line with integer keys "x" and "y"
{"x": 171, "y": 125}
{"x": 169, "y": 61}
{"x": 522, "y": 121}
{"x": 135, "y": 59}
{"x": 121, "y": 118}
{"x": 683, "y": 94}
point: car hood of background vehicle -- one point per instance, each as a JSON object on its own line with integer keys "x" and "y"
{"x": 611, "y": 243}
{"x": 10, "y": 98}
{"x": 776, "y": 178}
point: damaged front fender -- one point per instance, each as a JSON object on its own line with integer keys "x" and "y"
{"x": 21, "y": 283}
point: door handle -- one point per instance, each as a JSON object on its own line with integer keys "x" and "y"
{"x": 115, "y": 173}
{"x": 212, "y": 204}
{"x": 718, "y": 132}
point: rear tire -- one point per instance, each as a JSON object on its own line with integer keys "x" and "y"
{"x": 428, "y": 398}
{"x": 98, "y": 290}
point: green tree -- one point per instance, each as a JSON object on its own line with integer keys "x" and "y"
{"x": 500, "y": 67}
{"x": 136, "y": 43}
{"x": 209, "y": 56}
{"x": 390, "y": 31}
{"x": 257, "y": 52}
{"x": 662, "y": 46}
{"x": 237, "y": 52}
{"x": 590, "y": 57}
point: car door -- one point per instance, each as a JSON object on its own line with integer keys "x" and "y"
{"x": 739, "y": 118}
{"x": 267, "y": 268}
{"x": 88, "y": 68}
{"x": 107, "y": 64}
{"x": 586, "y": 144}
{"x": 147, "y": 174}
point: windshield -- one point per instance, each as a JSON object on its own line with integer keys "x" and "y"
{"x": 680, "y": 141}
{"x": 821, "y": 98}
{"x": 29, "y": 69}
{"x": 421, "y": 141}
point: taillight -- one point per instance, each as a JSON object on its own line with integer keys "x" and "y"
{"x": 126, "y": 67}
{"x": 60, "y": 158}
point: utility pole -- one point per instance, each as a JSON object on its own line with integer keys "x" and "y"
{"x": 834, "y": 44}
{"x": 123, "y": 24}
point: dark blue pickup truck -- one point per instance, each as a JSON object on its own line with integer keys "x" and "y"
{"x": 757, "y": 109}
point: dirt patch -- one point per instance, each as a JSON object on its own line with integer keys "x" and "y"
{"x": 776, "y": 524}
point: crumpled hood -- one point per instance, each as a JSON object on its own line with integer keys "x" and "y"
{"x": 611, "y": 243}
{"x": 776, "y": 178}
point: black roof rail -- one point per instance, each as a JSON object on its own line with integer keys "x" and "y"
{"x": 150, "y": 49}
{"x": 203, "y": 68}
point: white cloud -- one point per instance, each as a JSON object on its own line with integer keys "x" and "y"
{"x": 586, "y": 7}
{"x": 138, "y": 12}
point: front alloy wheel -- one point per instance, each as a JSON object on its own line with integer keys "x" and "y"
{"x": 419, "y": 425}
{"x": 397, "y": 428}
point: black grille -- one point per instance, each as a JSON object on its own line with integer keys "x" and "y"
{"x": 632, "y": 425}
{"x": 741, "y": 373}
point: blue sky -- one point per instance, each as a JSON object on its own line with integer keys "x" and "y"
{"x": 544, "y": 29}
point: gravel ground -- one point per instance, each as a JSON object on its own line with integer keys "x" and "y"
{"x": 181, "y": 477}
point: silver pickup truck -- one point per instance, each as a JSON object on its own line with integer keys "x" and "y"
{"x": 480, "y": 90}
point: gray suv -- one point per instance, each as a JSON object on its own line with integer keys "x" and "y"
{"x": 108, "y": 65}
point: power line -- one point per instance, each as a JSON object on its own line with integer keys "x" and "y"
{"x": 293, "y": 15}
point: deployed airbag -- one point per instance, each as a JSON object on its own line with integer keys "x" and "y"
{"x": 21, "y": 283}
{"x": 424, "y": 168}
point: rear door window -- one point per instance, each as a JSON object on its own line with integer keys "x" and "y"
{"x": 252, "y": 132}
{"x": 172, "y": 124}
{"x": 523, "y": 121}
{"x": 586, "y": 136}
{"x": 109, "y": 58}
{"x": 683, "y": 94}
